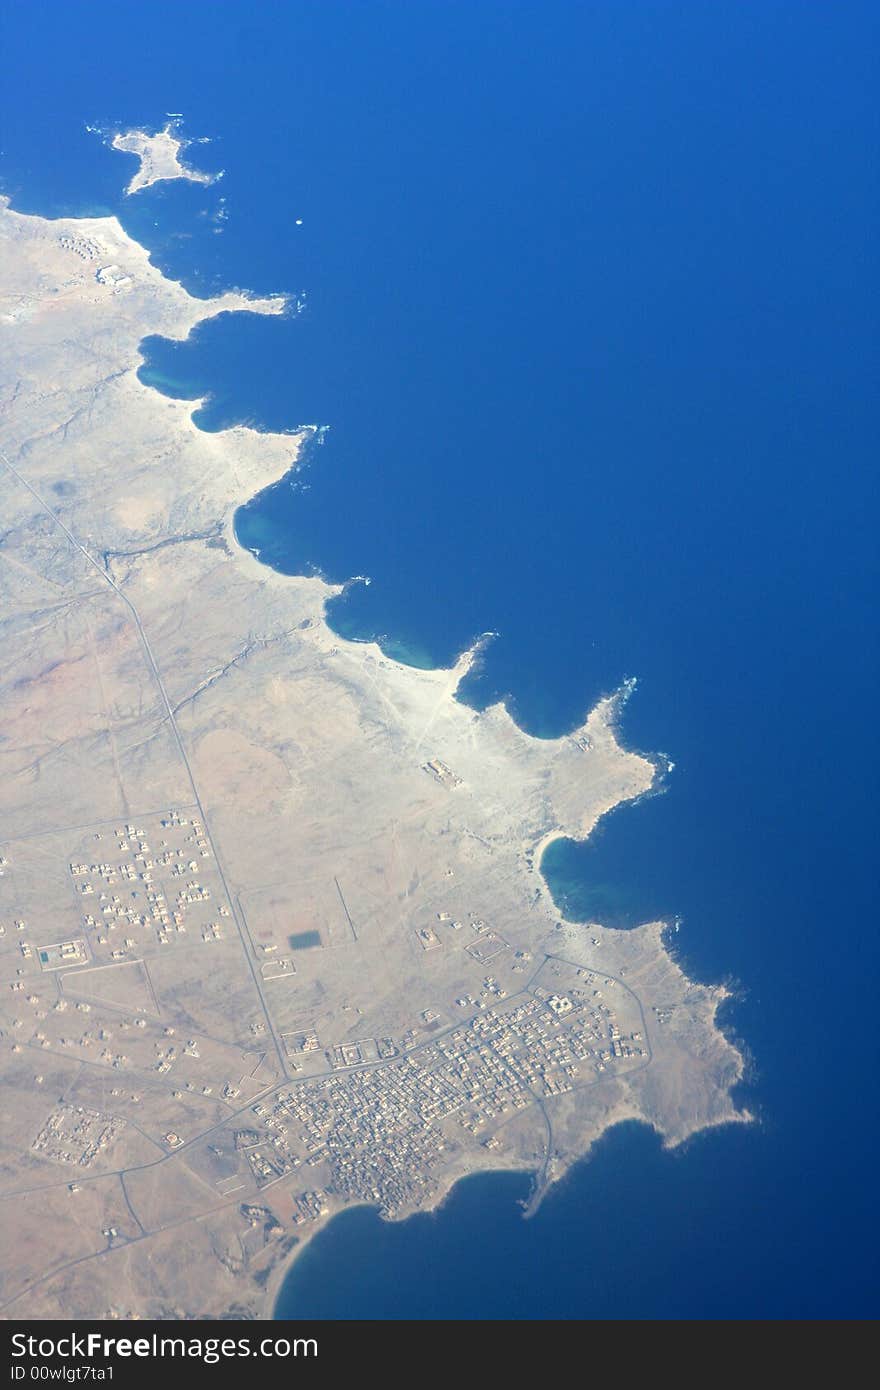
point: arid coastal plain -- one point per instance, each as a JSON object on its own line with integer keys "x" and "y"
{"x": 273, "y": 933}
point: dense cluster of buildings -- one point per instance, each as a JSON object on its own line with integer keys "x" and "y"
{"x": 376, "y": 1124}
{"x": 74, "y": 1134}
{"x": 381, "y": 1130}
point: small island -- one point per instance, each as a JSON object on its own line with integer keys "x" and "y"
{"x": 159, "y": 157}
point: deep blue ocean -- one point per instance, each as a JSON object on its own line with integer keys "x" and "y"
{"x": 590, "y": 310}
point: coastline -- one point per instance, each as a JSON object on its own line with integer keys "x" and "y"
{"x": 607, "y": 712}
{"x": 258, "y": 458}
{"x": 530, "y": 1205}
{"x": 605, "y": 715}
{"x": 593, "y": 339}
{"x": 159, "y": 156}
